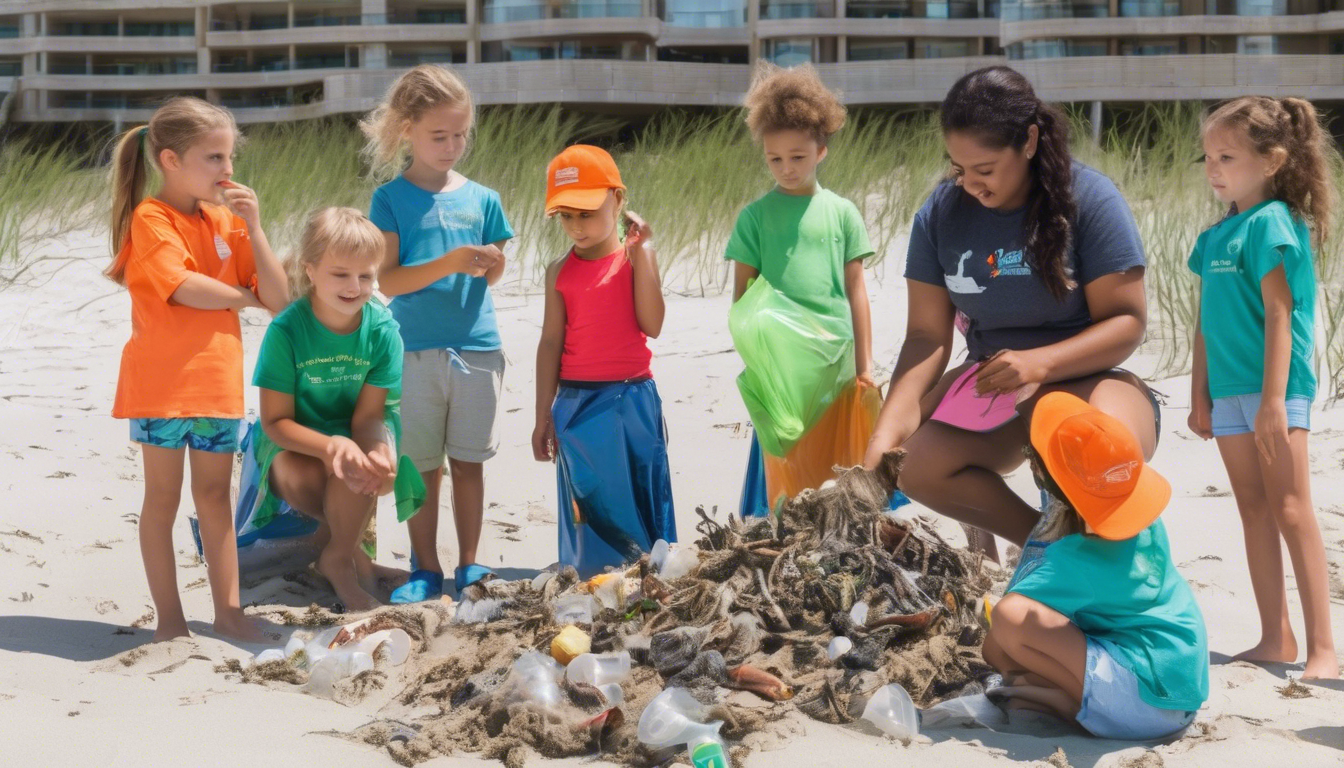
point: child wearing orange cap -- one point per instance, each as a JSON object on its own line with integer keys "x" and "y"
{"x": 599, "y": 417}
{"x": 1101, "y": 629}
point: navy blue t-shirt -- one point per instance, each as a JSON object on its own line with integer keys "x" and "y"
{"x": 977, "y": 254}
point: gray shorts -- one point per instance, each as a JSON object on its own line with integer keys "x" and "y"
{"x": 448, "y": 405}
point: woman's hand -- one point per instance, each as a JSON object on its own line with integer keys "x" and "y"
{"x": 1201, "y": 418}
{"x": 1271, "y": 427}
{"x": 543, "y": 441}
{"x": 348, "y": 463}
{"x": 1009, "y": 371}
{"x": 243, "y": 202}
{"x": 879, "y": 444}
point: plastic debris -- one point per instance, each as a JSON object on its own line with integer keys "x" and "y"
{"x": 571, "y": 643}
{"x": 892, "y": 711}
{"x": 839, "y": 646}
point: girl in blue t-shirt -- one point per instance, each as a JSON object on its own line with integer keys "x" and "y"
{"x": 444, "y": 234}
{"x": 1252, "y": 382}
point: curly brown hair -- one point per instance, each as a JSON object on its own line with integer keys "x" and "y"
{"x": 792, "y": 99}
{"x": 1290, "y": 128}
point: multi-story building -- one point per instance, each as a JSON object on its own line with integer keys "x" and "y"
{"x": 75, "y": 60}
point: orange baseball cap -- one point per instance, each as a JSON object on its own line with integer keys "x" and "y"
{"x": 580, "y": 178}
{"x": 1098, "y": 464}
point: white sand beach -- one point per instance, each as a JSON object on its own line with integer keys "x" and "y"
{"x": 81, "y": 685}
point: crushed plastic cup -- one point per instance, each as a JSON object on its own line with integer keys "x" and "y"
{"x": 539, "y": 583}
{"x": 477, "y": 611}
{"x": 294, "y": 645}
{"x": 859, "y": 614}
{"x": 394, "y": 642}
{"x": 974, "y": 709}
{"x": 679, "y": 563}
{"x": 575, "y": 609}
{"x": 673, "y": 718}
{"x": 535, "y": 678}
{"x": 599, "y": 669}
{"x": 658, "y": 555}
{"x": 611, "y": 593}
{"x": 839, "y": 646}
{"x": 360, "y": 662}
{"x": 892, "y": 712}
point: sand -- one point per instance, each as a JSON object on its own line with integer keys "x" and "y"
{"x": 80, "y": 685}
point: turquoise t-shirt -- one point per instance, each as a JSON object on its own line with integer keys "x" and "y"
{"x": 1130, "y": 595}
{"x": 455, "y": 312}
{"x": 1231, "y": 258}
{"x": 800, "y": 244}
{"x": 325, "y": 371}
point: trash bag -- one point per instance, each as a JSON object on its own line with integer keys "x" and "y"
{"x": 797, "y": 362}
{"x": 286, "y": 523}
{"x": 838, "y": 439}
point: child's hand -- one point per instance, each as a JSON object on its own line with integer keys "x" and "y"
{"x": 348, "y": 463}
{"x": 543, "y": 441}
{"x": 476, "y": 260}
{"x": 637, "y": 231}
{"x": 382, "y": 466}
{"x": 242, "y": 201}
{"x": 865, "y": 379}
{"x": 1201, "y": 419}
{"x": 1271, "y": 428}
{"x": 246, "y": 298}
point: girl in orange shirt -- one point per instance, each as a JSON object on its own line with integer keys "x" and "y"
{"x": 192, "y": 256}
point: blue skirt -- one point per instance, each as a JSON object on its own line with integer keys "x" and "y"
{"x": 615, "y": 488}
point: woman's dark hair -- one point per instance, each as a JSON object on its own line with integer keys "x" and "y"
{"x": 997, "y": 106}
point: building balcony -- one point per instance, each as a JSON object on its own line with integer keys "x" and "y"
{"x": 1172, "y": 26}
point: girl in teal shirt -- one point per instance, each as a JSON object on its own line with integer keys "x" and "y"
{"x": 1252, "y": 382}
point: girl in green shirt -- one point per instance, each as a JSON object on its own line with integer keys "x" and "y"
{"x": 1252, "y": 382}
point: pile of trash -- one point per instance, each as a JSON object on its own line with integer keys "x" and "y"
{"x": 832, "y": 607}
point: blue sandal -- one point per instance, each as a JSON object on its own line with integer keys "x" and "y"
{"x": 422, "y": 586}
{"x": 466, "y": 575}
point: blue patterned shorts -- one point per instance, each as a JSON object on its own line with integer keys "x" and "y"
{"x": 197, "y": 433}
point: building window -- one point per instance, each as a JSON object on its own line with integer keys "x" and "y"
{"x": 1150, "y": 8}
{"x": 797, "y": 9}
{"x": 878, "y": 50}
{"x": 11, "y": 67}
{"x": 1146, "y": 47}
{"x": 789, "y": 52}
{"x": 1258, "y": 45}
{"x": 546, "y": 51}
{"x": 82, "y": 29}
{"x": 733, "y": 55}
{"x": 403, "y": 58}
{"x": 705, "y": 14}
{"x": 160, "y": 28}
{"x": 942, "y": 49}
{"x": 1262, "y": 7}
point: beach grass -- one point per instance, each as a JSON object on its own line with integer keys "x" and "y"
{"x": 689, "y": 173}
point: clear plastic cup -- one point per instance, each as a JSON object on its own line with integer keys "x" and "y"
{"x": 575, "y": 609}
{"x": 893, "y": 712}
{"x": 658, "y": 555}
{"x": 672, "y": 718}
{"x": 599, "y": 669}
{"x": 859, "y": 614}
{"x": 840, "y": 645}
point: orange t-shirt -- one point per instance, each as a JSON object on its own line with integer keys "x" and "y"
{"x": 182, "y": 362}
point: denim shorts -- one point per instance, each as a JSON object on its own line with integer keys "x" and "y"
{"x": 1236, "y": 415}
{"x": 1112, "y": 707}
{"x": 200, "y": 433}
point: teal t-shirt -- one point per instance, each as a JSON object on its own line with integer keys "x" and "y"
{"x": 800, "y": 244}
{"x": 1231, "y": 258}
{"x": 325, "y": 371}
{"x": 1130, "y": 595}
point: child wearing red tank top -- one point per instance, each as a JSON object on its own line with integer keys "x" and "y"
{"x": 599, "y": 417}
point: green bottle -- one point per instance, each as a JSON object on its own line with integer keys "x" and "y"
{"x": 708, "y": 754}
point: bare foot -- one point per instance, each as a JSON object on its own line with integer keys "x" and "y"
{"x": 237, "y": 626}
{"x": 1283, "y": 650}
{"x": 373, "y": 577}
{"x": 166, "y": 631}
{"x": 1326, "y": 667}
{"x": 340, "y": 571}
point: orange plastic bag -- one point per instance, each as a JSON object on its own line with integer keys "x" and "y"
{"x": 838, "y": 439}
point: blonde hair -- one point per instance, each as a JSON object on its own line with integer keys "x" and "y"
{"x": 342, "y": 230}
{"x": 177, "y": 125}
{"x": 1290, "y": 128}
{"x": 792, "y": 99}
{"x": 426, "y": 87}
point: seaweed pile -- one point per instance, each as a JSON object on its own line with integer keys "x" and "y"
{"x": 758, "y": 606}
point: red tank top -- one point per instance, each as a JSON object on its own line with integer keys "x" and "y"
{"x": 603, "y": 341}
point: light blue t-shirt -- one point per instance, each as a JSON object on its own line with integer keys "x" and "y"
{"x": 1130, "y": 595}
{"x": 456, "y": 312}
{"x": 1232, "y": 258}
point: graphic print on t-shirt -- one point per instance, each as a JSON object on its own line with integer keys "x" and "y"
{"x": 1010, "y": 263}
{"x": 960, "y": 283}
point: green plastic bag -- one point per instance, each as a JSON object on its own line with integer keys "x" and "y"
{"x": 797, "y": 362}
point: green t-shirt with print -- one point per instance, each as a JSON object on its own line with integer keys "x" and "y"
{"x": 1232, "y": 258}
{"x": 325, "y": 371}
{"x": 800, "y": 244}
